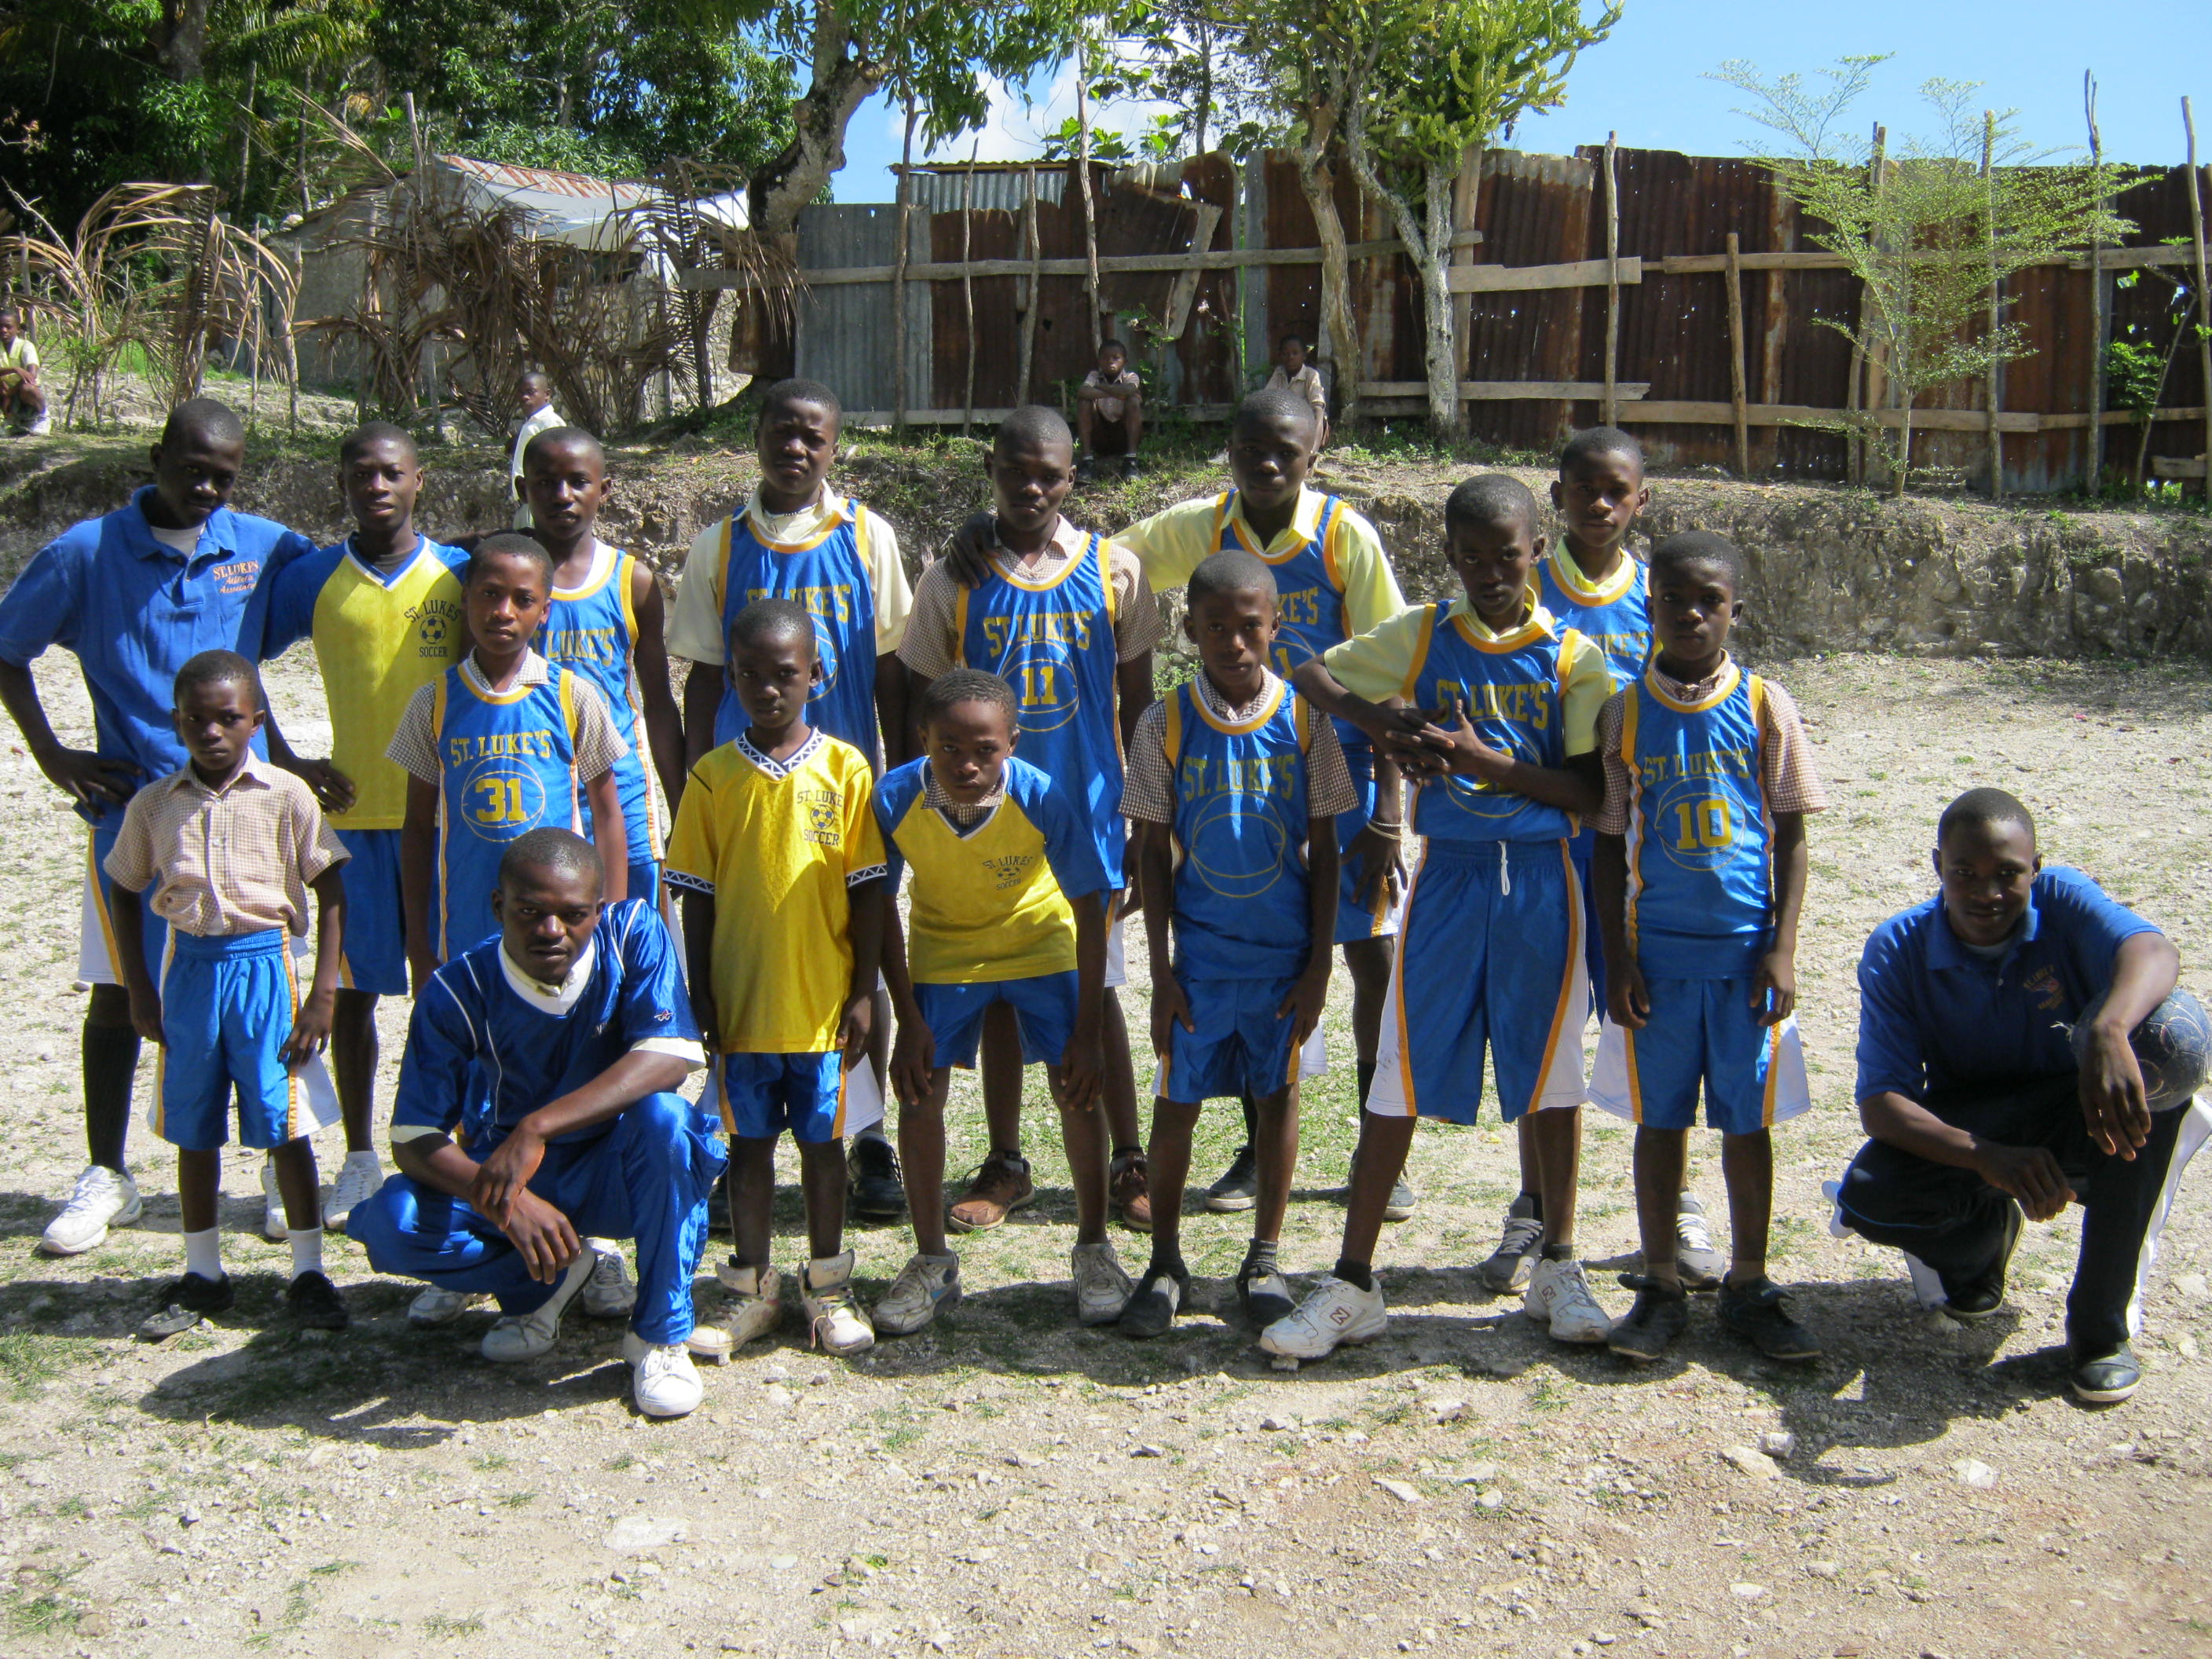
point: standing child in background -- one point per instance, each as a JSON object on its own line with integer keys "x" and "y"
{"x": 780, "y": 864}
{"x": 1501, "y": 734}
{"x": 534, "y": 396}
{"x": 1701, "y": 877}
{"x": 1009, "y": 905}
{"x": 1069, "y": 621}
{"x": 1237, "y": 775}
{"x": 840, "y": 563}
{"x": 603, "y": 623}
{"x": 231, "y": 846}
{"x": 503, "y": 743}
{"x": 383, "y": 608}
{"x": 1109, "y": 413}
{"x": 1592, "y": 583}
{"x": 22, "y": 399}
{"x": 1293, "y": 373}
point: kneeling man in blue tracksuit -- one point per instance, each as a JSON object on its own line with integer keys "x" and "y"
{"x": 537, "y": 1109}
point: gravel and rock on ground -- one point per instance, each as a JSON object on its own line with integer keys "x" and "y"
{"x": 1009, "y": 1484}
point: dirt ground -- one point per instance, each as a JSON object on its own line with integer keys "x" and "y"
{"x": 1011, "y": 1485}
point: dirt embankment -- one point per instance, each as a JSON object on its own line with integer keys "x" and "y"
{"x": 1832, "y": 568}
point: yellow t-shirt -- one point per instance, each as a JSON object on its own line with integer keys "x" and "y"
{"x": 779, "y": 846}
{"x": 1176, "y": 542}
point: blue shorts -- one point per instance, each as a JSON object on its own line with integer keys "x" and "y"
{"x": 95, "y": 942}
{"x": 1241, "y": 1047}
{"x": 813, "y": 1096}
{"x": 226, "y": 1008}
{"x": 1491, "y": 957}
{"x": 1701, "y": 1032}
{"x": 376, "y": 918}
{"x": 1354, "y": 921}
{"x": 645, "y": 881}
{"x": 1044, "y": 1007}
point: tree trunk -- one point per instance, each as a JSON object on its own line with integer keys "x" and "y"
{"x": 1318, "y": 175}
{"x": 843, "y": 82}
{"x": 182, "y": 49}
{"x": 1427, "y": 237}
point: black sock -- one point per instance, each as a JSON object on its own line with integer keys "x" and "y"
{"x": 1172, "y": 1265}
{"x": 1260, "y": 1258}
{"x": 1251, "y": 1120}
{"x": 111, "y": 1059}
{"x": 1366, "y": 1070}
{"x": 1358, "y": 1273}
{"x": 1559, "y": 1253}
{"x": 1535, "y": 1203}
{"x": 1013, "y": 1153}
{"x": 1121, "y": 1152}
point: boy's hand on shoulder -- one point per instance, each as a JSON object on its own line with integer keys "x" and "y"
{"x": 146, "y": 1012}
{"x": 1626, "y": 999}
{"x": 311, "y": 1028}
{"x": 967, "y": 551}
{"x": 857, "y": 1025}
{"x": 1308, "y": 996}
{"x": 334, "y": 790}
{"x": 1170, "y": 1008}
{"x": 913, "y": 1063}
{"x": 1774, "y": 989}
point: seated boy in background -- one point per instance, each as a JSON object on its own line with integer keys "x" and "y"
{"x": 1244, "y": 781}
{"x": 1292, "y": 373}
{"x": 22, "y": 399}
{"x": 231, "y": 847}
{"x": 780, "y": 864}
{"x": 1701, "y": 878}
{"x": 1109, "y": 413}
{"x": 1009, "y": 905}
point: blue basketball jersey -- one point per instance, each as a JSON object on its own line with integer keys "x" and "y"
{"x": 826, "y": 578}
{"x": 1053, "y": 642}
{"x": 1615, "y": 614}
{"x": 1700, "y": 840}
{"x": 1309, "y": 590}
{"x": 1242, "y": 910}
{"x": 509, "y": 765}
{"x": 592, "y": 630}
{"x": 1510, "y": 686}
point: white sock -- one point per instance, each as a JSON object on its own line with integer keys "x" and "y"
{"x": 367, "y": 1155}
{"x": 203, "y": 1253}
{"x": 307, "y": 1249}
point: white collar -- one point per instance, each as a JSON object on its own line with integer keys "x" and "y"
{"x": 545, "y": 998}
{"x": 780, "y": 769}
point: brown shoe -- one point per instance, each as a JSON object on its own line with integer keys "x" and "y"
{"x": 1001, "y": 1186}
{"x": 1128, "y": 1192}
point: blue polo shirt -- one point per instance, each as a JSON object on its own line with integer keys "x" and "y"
{"x": 1934, "y": 1016}
{"x": 134, "y": 610}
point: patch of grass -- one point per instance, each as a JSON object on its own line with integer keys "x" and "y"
{"x": 442, "y": 1626}
{"x": 28, "y": 1361}
{"x": 491, "y": 1462}
{"x": 333, "y": 1568}
{"x": 515, "y": 1500}
{"x": 40, "y": 1613}
{"x": 622, "y": 1461}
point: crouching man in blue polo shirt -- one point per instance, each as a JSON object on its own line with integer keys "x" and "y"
{"x": 2023, "y": 1045}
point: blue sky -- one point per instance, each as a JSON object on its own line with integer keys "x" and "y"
{"x": 1645, "y": 82}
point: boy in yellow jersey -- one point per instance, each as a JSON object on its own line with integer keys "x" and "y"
{"x": 780, "y": 864}
{"x": 383, "y": 610}
{"x": 1009, "y": 906}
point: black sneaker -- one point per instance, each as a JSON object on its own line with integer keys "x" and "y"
{"x": 184, "y": 1303}
{"x": 1239, "y": 1186}
{"x": 1086, "y": 470}
{"x": 1978, "y": 1299}
{"x": 1129, "y": 467}
{"x": 1264, "y": 1294}
{"x": 1152, "y": 1309}
{"x": 1759, "y": 1312}
{"x": 873, "y": 1189}
{"x": 315, "y": 1302}
{"x": 2104, "y": 1379}
{"x": 1659, "y": 1317}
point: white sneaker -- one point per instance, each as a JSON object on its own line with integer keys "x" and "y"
{"x": 926, "y": 1287}
{"x": 835, "y": 1322}
{"x": 433, "y": 1306}
{"x": 610, "y": 1295}
{"x": 359, "y": 1177}
{"x": 39, "y": 428}
{"x": 663, "y": 1380}
{"x": 528, "y": 1336}
{"x": 274, "y": 1227}
{"x": 1336, "y": 1314}
{"x": 1103, "y": 1286}
{"x": 1560, "y": 1295}
{"x": 751, "y": 1305}
{"x": 101, "y": 1199}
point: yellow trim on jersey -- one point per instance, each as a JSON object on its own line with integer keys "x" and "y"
{"x": 1237, "y": 729}
{"x": 1561, "y": 1023}
{"x": 837, "y": 511}
{"x": 1104, "y": 549}
{"x": 1398, "y": 996}
{"x": 1241, "y": 528}
{"x": 100, "y": 909}
{"x": 1466, "y": 622}
{"x": 1580, "y": 588}
{"x": 1633, "y": 843}
{"x": 1419, "y": 658}
{"x": 1015, "y": 579}
{"x": 1171, "y": 733}
{"x": 1635, "y": 1076}
{"x": 485, "y": 694}
{"x": 443, "y": 828}
{"x": 616, "y": 560}
{"x": 1731, "y": 678}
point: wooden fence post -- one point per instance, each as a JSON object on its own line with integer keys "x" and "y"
{"x": 1611, "y": 406}
{"x": 1089, "y": 207}
{"x": 1737, "y": 401}
{"x": 2097, "y": 321}
{"x": 967, "y": 286}
{"x": 1993, "y": 394}
{"x": 1034, "y": 289}
{"x": 898, "y": 273}
{"x": 2203, "y": 301}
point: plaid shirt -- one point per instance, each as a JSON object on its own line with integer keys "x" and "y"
{"x": 1148, "y": 791}
{"x": 1785, "y": 760}
{"x": 237, "y": 859}
{"x": 963, "y": 814}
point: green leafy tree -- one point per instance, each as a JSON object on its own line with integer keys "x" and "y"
{"x": 1931, "y": 231}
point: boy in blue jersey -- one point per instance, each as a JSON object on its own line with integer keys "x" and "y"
{"x": 230, "y": 848}
{"x": 502, "y": 744}
{"x": 1701, "y": 878}
{"x": 1009, "y": 905}
{"x": 383, "y": 610}
{"x": 537, "y": 1105}
{"x": 780, "y": 864}
{"x": 1068, "y": 620}
{"x": 1500, "y": 734}
{"x": 133, "y": 596}
{"x": 1239, "y": 777}
{"x": 604, "y": 624}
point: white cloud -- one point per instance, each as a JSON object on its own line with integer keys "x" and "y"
{"x": 1016, "y": 129}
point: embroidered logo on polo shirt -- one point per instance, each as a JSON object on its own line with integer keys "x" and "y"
{"x": 1010, "y": 868}
{"x": 237, "y": 577}
{"x": 2043, "y": 987}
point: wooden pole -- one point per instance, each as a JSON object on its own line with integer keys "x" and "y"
{"x": 1877, "y": 383}
{"x": 245, "y": 138}
{"x": 1034, "y": 288}
{"x": 898, "y": 272}
{"x": 1611, "y": 406}
{"x": 1993, "y": 391}
{"x": 2097, "y": 321}
{"x": 1089, "y": 209}
{"x": 968, "y": 286}
{"x": 1738, "y": 403}
{"x": 2203, "y": 299}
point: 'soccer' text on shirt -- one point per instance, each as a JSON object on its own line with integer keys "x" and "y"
{"x": 834, "y": 602}
{"x": 436, "y": 622}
